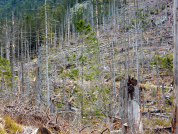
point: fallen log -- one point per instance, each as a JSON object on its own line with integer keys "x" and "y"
{"x": 160, "y": 129}
{"x": 83, "y": 129}
{"x": 154, "y": 111}
{"x": 105, "y": 130}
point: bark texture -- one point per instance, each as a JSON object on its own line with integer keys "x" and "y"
{"x": 175, "y": 70}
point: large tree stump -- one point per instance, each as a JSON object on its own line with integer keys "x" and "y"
{"x": 129, "y": 108}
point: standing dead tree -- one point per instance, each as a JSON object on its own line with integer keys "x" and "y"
{"x": 175, "y": 70}
{"x": 129, "y": 106}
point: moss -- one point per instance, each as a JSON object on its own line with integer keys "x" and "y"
{"x": 15, "y": 128}
{"x": 11, "y": 125}
{"x": 2, "y": 131}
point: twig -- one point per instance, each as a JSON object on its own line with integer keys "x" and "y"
{"x": 57, "y": 117}
{"x": 83, "y": 129}
{"x": 114, "y": 117}
{"x": 67, "y": 112}
{"x": 93, "y": 131}
{"x": 105, "y": 130}
{"x": 47, "y": 115}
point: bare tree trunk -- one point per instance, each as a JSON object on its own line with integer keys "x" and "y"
{"x": 29, "y": 47}
{"x": 1, "y": 50}
{"x": 12, "y": 55}
{"x": 18, "y": 48}
{"x": 22, "y": 52}
{"x": 47, "y": 78}
{"x": 39, "y": 78}
{"x": 175, "y": 70}
{"x": 28, "y": 60}
{"x": 7, "y": 42}
{"x": 68, "y": 9}
{"x": 25, "y": 44}
{"x": 97, "y": 32}
{"x": 60, "y": 39}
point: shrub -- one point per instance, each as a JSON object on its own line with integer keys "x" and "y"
{"x": 127, "y": 28}
{"x": 170, "y": 100}
{"x": 163, "y": 7}
{"x": 164, "y": 62}
{"x": 151, "y": 12}
{"x": 157, "y": 10}
{"x": 132, "y": 21}
{"x": 161, "y": 39}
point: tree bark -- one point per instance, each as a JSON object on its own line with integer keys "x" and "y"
{"x": 175, "y": 70}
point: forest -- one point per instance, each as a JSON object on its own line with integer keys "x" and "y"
{"x": 88, "y": 66}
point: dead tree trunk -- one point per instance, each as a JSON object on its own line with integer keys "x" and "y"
{"x": 12, "y": 55}
{"x": 175, "y": 70}
{"x": 22, "y": 60}
{"x": 39, "y": 78}
{"x": 7, "y": 42}
{"x": 129, "y": 108}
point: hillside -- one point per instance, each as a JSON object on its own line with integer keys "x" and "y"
{"x": 95, "y": 76}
